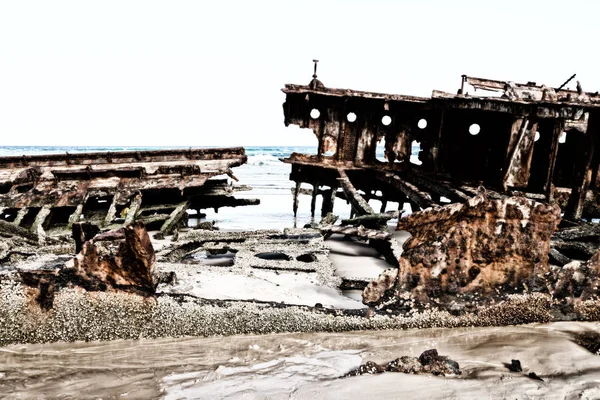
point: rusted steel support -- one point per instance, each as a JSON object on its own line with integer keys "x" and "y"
{"x": 359, "y": 232}
{"x": 38, "y": 223}
{"x": 313, "y": 200}
{"x": 438, "y": 187}
{"x": 178, "y": 213}
{"x": 296, "y": 193}
{"x": 20, "y": 215}
{"x": 76, "y": 216}
{"x": 94, "y": 187}
{"x": 520, "y": 152}
{"x": 359, "y": 205}
{"x": 420, "y": 198}
{"x": 583, "y": 173}
{"x": 557, "y": 131}
{"x": 377, "y": 219}
{"x": 136, "y": 202}
{"x": 112, "y": 211}
{"x": 328, "y": 201}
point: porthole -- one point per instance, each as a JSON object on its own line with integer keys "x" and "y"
{"x": 351, "y": 117}
{"x": 474, "y": 129}
{"x": 563, "y": 137}
{"x": 314, "y": 113}
{"x": 386, "y": 120}
{"x": 537, "y": 136}
{"x": 422, "y": 124}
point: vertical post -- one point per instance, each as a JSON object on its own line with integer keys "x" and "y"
{"x": 133, "y": 209}
{"x": 328, "y": 201}
{"x": 112, "y": 210}
{"x": 383, "y": 205}
{"x": 296, "y": 192}
{"x": 20, "y": 215}
{"x": 583, "y": 173}
{"x": 435, "y": 150}
{"x": 38, "y": 223}
{"x": 73, "y": 218}
{"x": 313, "y": 200}
{"x": 557, "y": 131}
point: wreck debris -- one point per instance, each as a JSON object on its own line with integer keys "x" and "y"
{"x": 429, "y": 362}
{"x": 477, "y": 247}
{"x": 122, "y": 259}
{"x": 47, "y": 194}
{"x": 515, "y": 366}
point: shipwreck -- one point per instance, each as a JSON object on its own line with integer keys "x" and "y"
{"x": 490, "y": 173}
{"x": 502, "y": 189}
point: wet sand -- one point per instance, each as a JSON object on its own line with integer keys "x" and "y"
{"x": 300, "y": 366}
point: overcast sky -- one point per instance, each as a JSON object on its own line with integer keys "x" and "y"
{"x": 199, "y": 73}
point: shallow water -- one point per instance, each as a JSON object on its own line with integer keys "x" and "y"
{"x": 299, "y": 366}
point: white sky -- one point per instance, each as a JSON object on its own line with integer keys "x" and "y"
{"x": 195, "y": 73}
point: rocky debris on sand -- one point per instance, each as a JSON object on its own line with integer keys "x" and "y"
{"x": 589, "y": 340}
{"x": 515, "y": 366}
{"x": 429, "y": 362}
{"x": 535, "y": 376}
{"x": 578, "y": 280}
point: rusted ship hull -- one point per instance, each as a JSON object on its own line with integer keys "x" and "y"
{"x": 51, "y": 192}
